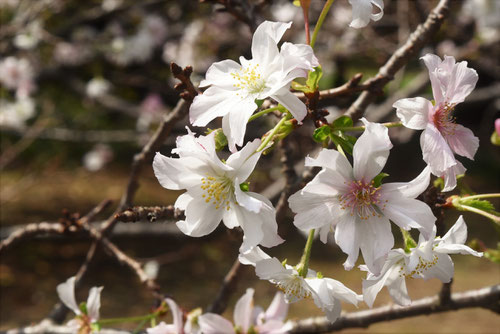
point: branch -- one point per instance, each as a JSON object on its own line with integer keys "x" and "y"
{"x": 488, "y": 297}
{"x": 412, "y": 46}
{"x": 151, "y": 214}
{"x": 227, "y": 289}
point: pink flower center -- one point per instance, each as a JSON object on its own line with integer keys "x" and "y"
{"x": 443, "y": 120}
{"x": 363, "y": 199}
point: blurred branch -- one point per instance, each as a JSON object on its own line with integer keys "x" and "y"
{"x": 151, "y": 214}
{"x": 488, "y": 298}
{"x": 78, "y": 136}
{"x": 412, "y": 46}
{"x": 227, "y": 288}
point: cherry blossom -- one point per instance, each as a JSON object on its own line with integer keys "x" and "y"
{"x": 214, "y": 190}
{"x": 451, "y": 83}
{"x": 429, "y": 259}
{"x": 327, "y": 293}
{"x": 234, "y": 88}
{"x": 177, "y": 327}
{"x": 345, "y": 200}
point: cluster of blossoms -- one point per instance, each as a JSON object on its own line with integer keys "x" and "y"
{"x": 347, "y": 200}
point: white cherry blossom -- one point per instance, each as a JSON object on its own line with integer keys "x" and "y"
{"x": 177, "y": 326}
{"x": 17, "y": 74}
{"x": 429, "y": 259}
{"x": 249, "y": 319}
{"x": 327, "y": 293}
{"x": 344, "y": 200}
{"x": 451, "y": 83}
{"x": 362, "y": 12}
{"x": 66, "y": 292}
{"x": 235, "y": 87}
{"x": 213, "y": 190}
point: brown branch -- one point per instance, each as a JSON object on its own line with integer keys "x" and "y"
{"x": 488, "y": 297}
{"x": 31, "y": 230}
{"x": 350, "y": 87}
{"x": 151, "y": 214}
{"x": 185, "y": 87}
{"x": 291, "y": 178}
{"x": 412, "y": 46}
{"x": 228, "y": 288}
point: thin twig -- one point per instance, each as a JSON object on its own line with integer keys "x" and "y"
{"x": 412, "y": 46}
{"x": 151, "y": 214}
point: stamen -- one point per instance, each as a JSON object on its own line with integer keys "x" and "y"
{"x": 249, "y": 79}
{"x": 218, "y": 190}
{"x": 294, "y": 287}
{"x": 362, "y": 199}
{"x": 421, "y": 267}
{"x": 443, "y": 120}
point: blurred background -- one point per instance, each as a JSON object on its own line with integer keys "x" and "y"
{"x": 84, "y": 84}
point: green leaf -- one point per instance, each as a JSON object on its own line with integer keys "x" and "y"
{"x": 377, "y": 180}
{"x": 480, "y": 204}
{"x": 313, "y": 79}
{"x": 342, "y": 122}
{"x": 83, "y": 307}
{"x": 339, "y": 139}
{"x": 493, "y": 254}
{"x": 259, "y": 103}
{"x": 322, "y": 133}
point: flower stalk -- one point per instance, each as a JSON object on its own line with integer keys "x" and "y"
{"x": 264, "y": 112}
{"x": 273, "y": 132}
{"x": 303, "y": 265}
{"x": 362, "y": 128}
{"x": 321, "y": 19}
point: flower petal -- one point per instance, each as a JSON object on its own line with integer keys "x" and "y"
{"x": 334, "y": 162}
{"x": 442, "y": 270}
{"x": 371, "y": 151}
{"x": 457, "y": 234}
{"x": 253, "y": 256}
{"x": 176, "y": 315}
{"x": 433, "y": 62}
{"x": 219, "y": 74}
{"x": 361, "y": 13}
{"x": 291, "y": 102}
{"x": 313, "y": 210}
{"x": 235, "y": 122}
{"x": 66, "y": 292}
{"x": 278, "y": 309}
{"x": 243, "y": 311}
{"x": 244, "y": 161}
{"x": 375, "y": 241}
{"x": 413, "y": 112}
{"x": 463, "y": 141}
{"x": 265, "y": 40}
{"x": 201, "y": 218}
{"x": 94, "y": 303}
{"x": 214, "y": 102}
{"x": 347, "y": 237}
{"x": 450, "y": 176}
{"x": 172, "y": 174}
{"x": 211, "y": 323}
{"x": 410, "y": 189}
{"x": 436, "y": 152}
{"x": 463, "y": 82}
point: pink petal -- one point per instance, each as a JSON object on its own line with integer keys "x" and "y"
{"x": 436, "y": 152}
{"x": 413, "y": 112}
{"x": 463, "y": 141}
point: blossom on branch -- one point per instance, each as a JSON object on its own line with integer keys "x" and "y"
{"x": 216, "y": 190}
{"x": 451, "y": 84}
{"x": 327, "y": 293}
{"x": 177, "y": 326}
{"x": 86, "y": 315}
{"x": 362, "y": 12}
{"x": 429, "y": 259}
{"x": 249, "y": 319}
{"x": 345, "y": 200}
{"x": 234, "y": 88}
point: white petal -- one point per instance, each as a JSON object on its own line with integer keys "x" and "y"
{"x": 211, "y": 323}
{"x": 409, "y": 213}
{"x": 371, "y": 151}
{"x": 347, "y": 238}
{"x": 278, "y": 309}
{"x": 457, "y": 249}
{"x": 463, "y": 141}
{"x": 219, "y": 74}
{"x": 66, "y": 292}
{"x": 442, "y": 270}
{"x": 397, "y": 290}
{"x": 271, "y": 269}
{"x": 243, "y": 311}
{"x": 246, "y": 201}
{"x": 335, "y": 163}
{"x": 176, "y": 315}
{"x": 201, "y": 218}
{"x": 457, "y": 234}
{"x": 244, "y": 161}
{"x": 183, "y": 200}
{"x": 341, "y": 292}
{"x": 436, "y": 152}
{"x": 361, "y": 13}
{"x": 176, "y": 174}
{"x": 265, "y": 40}
{"x": 94, "y": 303}
{"x": 253, "y": 256}
{"x": 375, "y": 241}
{"x": 269, "y": 225}
{"x": 450, "y": 176}
{"x": 411, "y": 189}
{"x": 433, "y": 62}
{"x": 463, "y": 81}
{"x": 313, "y": 211}
{"x": 297, "y": 57}
{"x": 235, "y": 122}
{"x": 291, "y": 102}
{"x": 373, "y": 285}
{"x": 380, "y": 5}
{"x": 413, "y": 112}
{"x": 214, "y": 102}
{"x": 252, "y": 228}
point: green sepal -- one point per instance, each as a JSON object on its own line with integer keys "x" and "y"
{"x": 83, "y": 307}
{"x": 219, "y": 137}
{"x": 96, "y": 327}
{"x": 377, "y": 180}
{"x": 409, "y": 241}
{"x": 245, "y": 186}
{"x": 319, "y": 275}
{"x": 313, "y": 79}
{"x": 342, "y": 122}
{"x": 347, "y": 142}
{"x": 321, "y": 134}
{"x": 439, "y": 183}
{"x": 284, "y": 262}
{"x": 259, "y": 103}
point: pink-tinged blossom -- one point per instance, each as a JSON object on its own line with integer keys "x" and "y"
{"x": 497, "y": 126}
{"x": 235, "y": 87}
{"x": 214, "y": 193}
{"x": 442, "y": 137}
{"x": 327, "y": 293}
{"x": 344, "y": 200}
{"x": 362, "y": 12}
{"x": 66, "y": 292}
{"x": 248, "y": 318}
{"x": 429, "y": 259}
{"x": 17, "y": 74}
